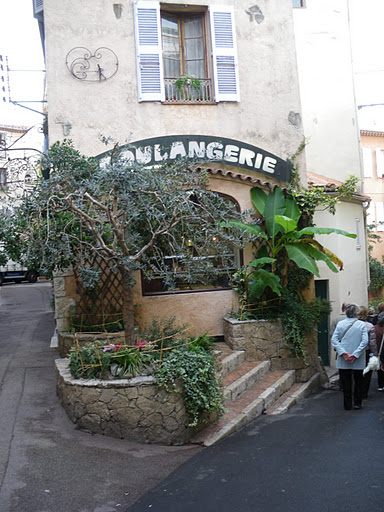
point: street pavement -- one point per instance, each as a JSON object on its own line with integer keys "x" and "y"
{"x": 317, "y": 457}
{"x": 46, "y": 464}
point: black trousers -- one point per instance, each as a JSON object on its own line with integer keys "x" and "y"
{"x": 367, "y": 377}
{"x": 353, "y": 394}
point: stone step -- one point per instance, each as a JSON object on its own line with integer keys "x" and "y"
{"x": 252, "y": 403}
{"x": 241, "y": 379}
{"x": 298, "y": 391}
{"x": 231, "y": 362}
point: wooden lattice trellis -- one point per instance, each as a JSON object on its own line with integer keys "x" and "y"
{"x": 102, "y": 305}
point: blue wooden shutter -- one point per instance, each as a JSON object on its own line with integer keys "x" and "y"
{"x": 149, "y": 63}
{"x": 224, "y": 54}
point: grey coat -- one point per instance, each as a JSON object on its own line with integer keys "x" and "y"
{"x": 354, "y": 342}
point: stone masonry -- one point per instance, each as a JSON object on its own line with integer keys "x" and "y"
{"x": 264, "y": 340}
{"x": 134, "y": 409}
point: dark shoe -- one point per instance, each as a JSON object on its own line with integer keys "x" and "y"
{"x": 357, "y": 406}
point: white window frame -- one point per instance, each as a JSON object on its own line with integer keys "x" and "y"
{"x": 149, "y": 64}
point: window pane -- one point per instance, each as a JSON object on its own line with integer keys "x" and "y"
{"x": 171, "y": 46}
{"x": 297, "y": 3}
{"x": 194, "y": 46}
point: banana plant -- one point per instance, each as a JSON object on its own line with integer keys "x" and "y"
{"x": 282, "y": 238}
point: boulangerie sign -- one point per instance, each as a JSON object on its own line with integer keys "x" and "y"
{"x": 157, "y": 150}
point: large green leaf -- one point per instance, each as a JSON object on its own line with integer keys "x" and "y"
{"x": 259, "y": 262}
{"x": 319, "y": 255}
{"x": 291, "y": 209}
{"x": 262, "y": 279}
{"x": 300, "y": 255}
{"x": 259, "y": 199}
{"x": 287, "y": 223}
{"x": 254, "y": 229}
{"x": 324, "y": 231}
{"x": 275, "y": 205}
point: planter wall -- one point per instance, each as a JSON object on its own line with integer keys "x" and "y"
{"x": 264, "y": 340}
{"x": 134, "y": 409}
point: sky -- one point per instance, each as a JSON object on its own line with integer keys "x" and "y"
{"x": 20, "y": 41}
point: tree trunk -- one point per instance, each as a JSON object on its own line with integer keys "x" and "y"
{"x": 128, "y": 309}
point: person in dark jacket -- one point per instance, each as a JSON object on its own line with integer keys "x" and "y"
{"x": 379, "y": 331}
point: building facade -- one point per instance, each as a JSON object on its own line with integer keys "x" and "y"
{"x": 240, "y": 84}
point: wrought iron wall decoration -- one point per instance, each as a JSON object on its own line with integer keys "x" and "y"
{"x": 19, "y": 176}
{"x": 92, "y": 67}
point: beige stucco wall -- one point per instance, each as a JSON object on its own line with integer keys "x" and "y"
{"x": 268, "y": 115}
{"x": 84, "y": 111}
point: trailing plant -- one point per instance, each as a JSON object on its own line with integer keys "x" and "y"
{"x": 310, "y": 199}
{"x": 195, "y": 368}
{"x": 299, "y": 318}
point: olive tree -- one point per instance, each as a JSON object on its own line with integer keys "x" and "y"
{"x": 132, "y": 217}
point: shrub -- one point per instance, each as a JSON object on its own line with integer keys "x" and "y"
{"x": 195, "y": 367}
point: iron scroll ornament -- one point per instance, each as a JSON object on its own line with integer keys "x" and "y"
{"x": 92, "y": 67}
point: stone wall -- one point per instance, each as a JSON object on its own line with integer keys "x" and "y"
{"x": 264, "y": 340}
{"x": 134, "y": 409}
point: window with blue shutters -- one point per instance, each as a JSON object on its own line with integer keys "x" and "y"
{"x": 185, "y": 55}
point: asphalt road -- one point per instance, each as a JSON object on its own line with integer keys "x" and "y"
{"x": 317, "y": 458}
{"x": 46, "y": 464}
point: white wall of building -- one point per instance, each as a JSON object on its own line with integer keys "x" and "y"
{"x": 324, "y": 55}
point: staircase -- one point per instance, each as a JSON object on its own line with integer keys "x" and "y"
{"x": 251, "y": 388}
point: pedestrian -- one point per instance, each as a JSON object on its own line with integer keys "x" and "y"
{"x": 335, "y": 321}
{"x": 350, "y": 340}
{"x": 379, "y": 331}
{"x": 339, "y": 317}
{"x": 380, "y": 309}
{"x": 371, "y": 314}
{"x": 371, "y": 349}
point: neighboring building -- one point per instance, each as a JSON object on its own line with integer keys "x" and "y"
{"x": 324, "y": 54}
{"x": 372, "y": 144}
{"x": 127, "y": 71}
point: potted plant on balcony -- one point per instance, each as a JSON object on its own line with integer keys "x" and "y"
{"x": 188, "y": 87}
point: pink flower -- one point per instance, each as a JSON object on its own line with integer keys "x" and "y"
{"x": 109, "y": 347}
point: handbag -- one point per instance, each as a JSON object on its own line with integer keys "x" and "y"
{"x": 374, "y": 361}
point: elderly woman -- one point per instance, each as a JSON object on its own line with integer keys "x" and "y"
{"x": 350, "y": 340}
{"x": 370, "y": 349}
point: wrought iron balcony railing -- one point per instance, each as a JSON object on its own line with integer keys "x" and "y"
{"x": 188, "y": 93}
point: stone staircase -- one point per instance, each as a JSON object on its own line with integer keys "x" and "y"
{"x": 251, "y": 388}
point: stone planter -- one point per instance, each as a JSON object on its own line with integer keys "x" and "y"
{"x": 264, "y": 340}
{"x": 134, "y": 409}
{"x": 66, "y": 340}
